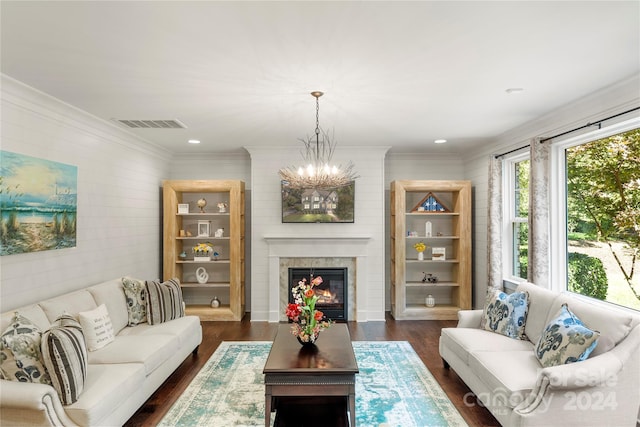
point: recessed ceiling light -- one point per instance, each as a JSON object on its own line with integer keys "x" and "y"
{"x": 514, "y": 90}
{"x": 440, "y": 141}
{"x": 194, "y": 141}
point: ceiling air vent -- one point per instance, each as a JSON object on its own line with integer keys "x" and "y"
{"x": 152, "y": 124}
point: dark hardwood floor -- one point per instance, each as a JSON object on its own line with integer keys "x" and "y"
{"x": 422, "y": 334}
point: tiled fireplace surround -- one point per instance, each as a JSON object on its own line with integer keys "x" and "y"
{"x": 318, "y": 251}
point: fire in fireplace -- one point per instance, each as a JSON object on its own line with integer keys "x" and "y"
{"x": 332, "y": 292}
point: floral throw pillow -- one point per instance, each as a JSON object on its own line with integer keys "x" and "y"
{"x": 136, "y": 294}
{"x": 20, "y": 354}
{"x": 565, "y": 340}
{"x": 506, "y": 314}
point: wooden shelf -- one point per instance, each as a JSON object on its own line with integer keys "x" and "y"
{"x": 432, "y": 213}
{"x": 201, "y": 238}
{"x": 230, "y": 271}
{"x": 190, "y": 261}
{"x": 454, "y": 289}
{"x": 199, "y": 214}
{"x": 205, "y": 285}
{"x": 432, "y": 238}
{"x": 431, "y": 285}
{"x": 208, "y": 313}
{"x": 439, "y": 312}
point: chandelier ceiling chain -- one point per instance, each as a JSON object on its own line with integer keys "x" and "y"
{"x": 318, "y": 172}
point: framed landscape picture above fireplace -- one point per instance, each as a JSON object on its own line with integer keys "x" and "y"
{"x": 318, "y": 205}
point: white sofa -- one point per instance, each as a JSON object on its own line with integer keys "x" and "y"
{"x": 120, "y": 376}
{"x": 506, "y": 376}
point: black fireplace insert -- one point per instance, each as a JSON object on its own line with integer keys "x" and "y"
{"x": 332, "y": 292}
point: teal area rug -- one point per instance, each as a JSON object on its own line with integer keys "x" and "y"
{"x": 393, "y": 389}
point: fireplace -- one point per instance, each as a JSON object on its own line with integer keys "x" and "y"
{"x": 332, "y": 292}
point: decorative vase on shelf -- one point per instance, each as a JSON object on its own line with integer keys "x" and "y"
{"x": 430, "y": 301}
{"x": 202, "y": 258}
{"x": 215, "y": 302}
{"x": 420, "y": 256}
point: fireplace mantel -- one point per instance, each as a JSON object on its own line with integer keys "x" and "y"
{"x": 312, "y": 246}
{"x": 297, "y": 238}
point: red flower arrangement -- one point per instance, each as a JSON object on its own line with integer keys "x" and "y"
{"x": 307, "y": 321}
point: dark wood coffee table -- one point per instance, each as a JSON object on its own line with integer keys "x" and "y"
{"x": 326, "y": 371}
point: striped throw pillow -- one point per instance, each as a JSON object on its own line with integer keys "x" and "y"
{"x": 65, "y": 357}
{"x": 164, "y": 301}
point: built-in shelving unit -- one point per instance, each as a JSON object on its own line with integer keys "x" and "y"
{"x": 181, "y": 231}
{"x": 450, "y": 230}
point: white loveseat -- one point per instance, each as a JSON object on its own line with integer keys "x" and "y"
{"x": 120, "y": 376}
{"x": 506, "y": 376}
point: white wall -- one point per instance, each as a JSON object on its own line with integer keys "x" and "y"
{"x": 369, "y": 221}
{"x": 119, "y": 176}
{"x": 609, "y": 101}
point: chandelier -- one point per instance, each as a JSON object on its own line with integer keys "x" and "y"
{"x": 318, "y": 171}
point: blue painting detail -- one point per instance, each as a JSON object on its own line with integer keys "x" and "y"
{"x": 38, "y": 204}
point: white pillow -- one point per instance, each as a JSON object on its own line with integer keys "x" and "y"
{"x": 97, "y": 327}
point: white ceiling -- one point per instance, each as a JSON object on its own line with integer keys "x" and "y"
{"x": 394, "y": 73}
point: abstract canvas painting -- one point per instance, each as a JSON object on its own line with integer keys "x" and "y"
{"x": 38, "y": 204}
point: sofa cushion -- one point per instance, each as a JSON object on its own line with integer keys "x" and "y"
{"x": 506, "y": 314}
{"x": 510, "y": 374}
{"x": 150, "y": 351}
{"x": 164, "y": 301}
{"x": 97, "y": 327}
{"x": 541, "y": 302}
{"x": 183, "y": 328}
{"x": 565, "y": 340}
{"x": 135, "y": 293}
{"x": 464, "y": 341}
{"x": 610, "y": 322}
{"x": 65, "y": 357}
{"x": 107, "y": 387}
{"x": 111, "y": 294}
{"x": 20, "y": 354}
{"x": 71, "y": 303}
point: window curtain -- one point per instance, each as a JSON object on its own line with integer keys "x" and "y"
{"x": 538, "y": 255}
{"x": 494, "y": 224}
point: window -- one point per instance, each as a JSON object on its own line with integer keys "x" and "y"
{"x": 598, "y": 210}
{"x": 516, "y": 208}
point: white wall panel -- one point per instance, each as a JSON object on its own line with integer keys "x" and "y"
{"x": 119, "y": 176}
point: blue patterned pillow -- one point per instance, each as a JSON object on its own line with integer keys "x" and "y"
{"x": 506, "y": 314}
{"x": 565, "y": 340}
